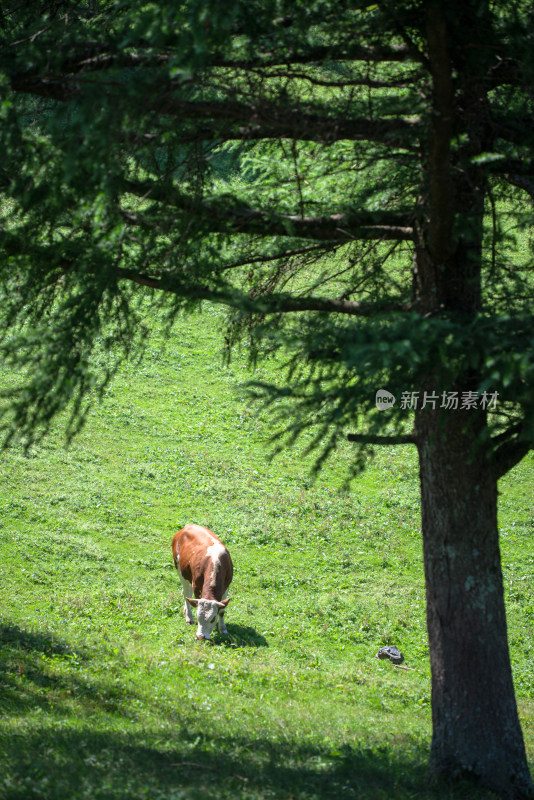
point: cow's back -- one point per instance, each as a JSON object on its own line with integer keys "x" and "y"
{"x": 202, "y": 559}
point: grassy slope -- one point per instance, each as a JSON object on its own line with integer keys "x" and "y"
{"x": 105, "y": 692}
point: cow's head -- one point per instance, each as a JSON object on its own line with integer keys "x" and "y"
{"x": 207, "y": 614}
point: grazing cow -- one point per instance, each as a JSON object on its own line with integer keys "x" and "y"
{"x": 205, "y": 569}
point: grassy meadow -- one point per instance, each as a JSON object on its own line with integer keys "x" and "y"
{"x": 105, "y": 695}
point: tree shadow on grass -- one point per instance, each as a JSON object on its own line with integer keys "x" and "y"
{"x": 14, "y": 637}
{"x": 30, "y": 678}
{"x": 86, "y": 765}
{"x": 60, "y": 754}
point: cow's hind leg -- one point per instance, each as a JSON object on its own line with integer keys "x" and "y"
{"x": 188, "y": 592}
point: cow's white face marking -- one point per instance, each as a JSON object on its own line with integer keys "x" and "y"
{"x": 207, "y": 614}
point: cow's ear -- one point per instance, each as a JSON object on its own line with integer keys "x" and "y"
{"x": 192, "y": 601}
{"x": 224, "y": 603}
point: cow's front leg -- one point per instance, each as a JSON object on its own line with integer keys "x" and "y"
{"x": 188, "y": 592}
{"x": 221, "y": 624}
{"x": 188, "y": 614}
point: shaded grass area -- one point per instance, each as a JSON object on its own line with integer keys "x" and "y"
{"x": 128, "y": 745}
{"x": 103, "y": 691}
{"x": 122, "y": 766}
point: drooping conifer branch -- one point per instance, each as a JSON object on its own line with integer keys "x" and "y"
{"x": 227, "y": 215}
{"x": 270, "y": 304}
{"x": 364, "y": 438}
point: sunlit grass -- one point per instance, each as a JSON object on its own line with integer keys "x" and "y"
{"x": 105, "y": 693}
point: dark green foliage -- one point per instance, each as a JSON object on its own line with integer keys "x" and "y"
{"x": 185, "y": 147}
{"x": 338, "y": 366}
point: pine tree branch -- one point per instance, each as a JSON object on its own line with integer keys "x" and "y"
{"x": 516, "y": 172}
{"x": 523, "y": 182}
{"x": 288, "y": 304}
{"x": 364, "y": 438}
{"x": 95, "y": 57}
{"x": 315, "y": 55}
{"x": 510, "y": 451}
{"x": 271, "y": 304}
{"x": 231, "y": 119}
{"x": 310, "y": 250}
{"x": 506, "y": 71}
{"x": 517, "y": 130}
{"x": 416, "y": 53}
{"x": 293, "y": 73}
{"x": 223, "y": 216}
{"x": 510, "y": 166}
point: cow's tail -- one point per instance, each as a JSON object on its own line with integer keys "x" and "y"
{"x": 176, "y": 558}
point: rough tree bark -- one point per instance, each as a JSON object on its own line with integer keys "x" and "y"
{"x": 476, "y": 727}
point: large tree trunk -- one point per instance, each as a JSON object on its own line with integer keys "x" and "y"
{"x": 475, "y": 722}
{"x": 476, "y": 727}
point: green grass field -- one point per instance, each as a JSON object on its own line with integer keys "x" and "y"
{"x": 104, "y": 692}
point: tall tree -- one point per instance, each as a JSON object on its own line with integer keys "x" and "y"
{"x": 348, "y": 178}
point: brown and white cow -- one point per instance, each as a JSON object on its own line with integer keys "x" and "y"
{"x": 206, "y": 570}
